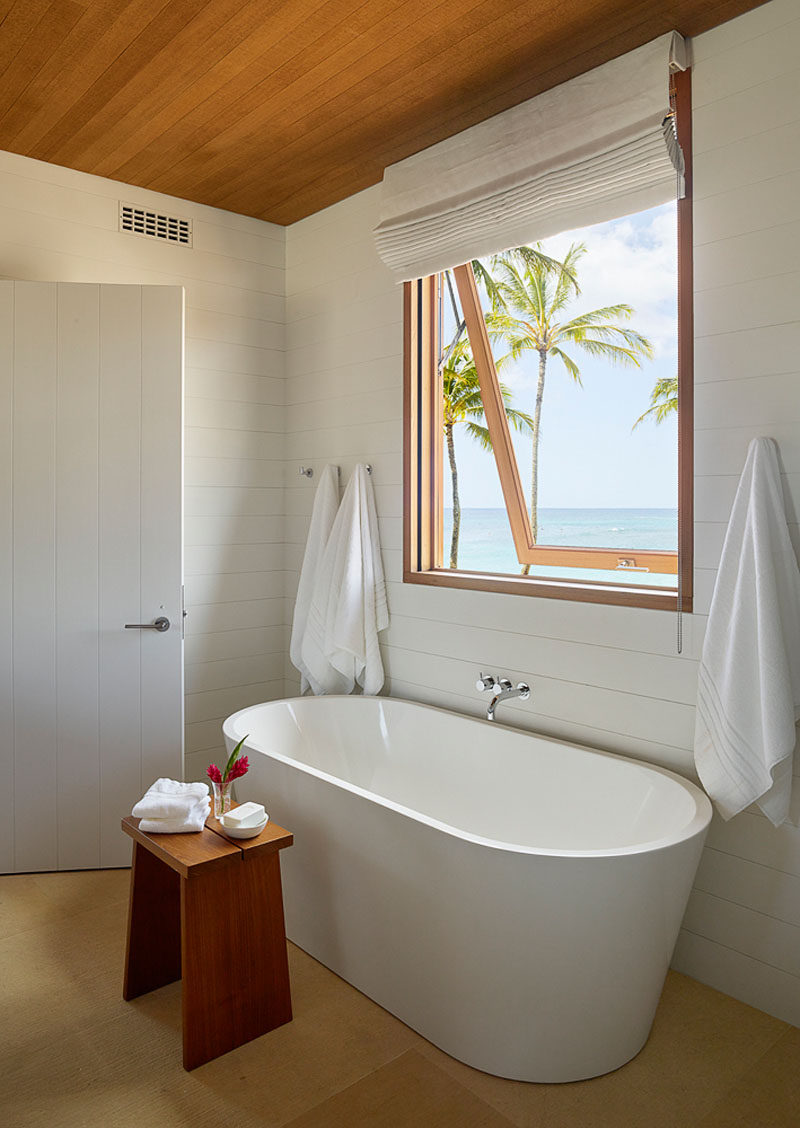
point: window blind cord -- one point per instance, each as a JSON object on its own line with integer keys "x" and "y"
{"x": 680, "y": 607}
{"x": 679, "y": 191}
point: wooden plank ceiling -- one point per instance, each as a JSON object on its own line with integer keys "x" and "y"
{"x": 277, "y": 108}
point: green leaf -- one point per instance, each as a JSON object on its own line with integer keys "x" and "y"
{"x": 233, "y": 758}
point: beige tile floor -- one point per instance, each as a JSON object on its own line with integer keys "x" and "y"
{"x": 72, "y": 1053}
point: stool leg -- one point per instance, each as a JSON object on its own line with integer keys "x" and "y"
{"x": 235, "y": 966}
{"x": 153, "y": 954}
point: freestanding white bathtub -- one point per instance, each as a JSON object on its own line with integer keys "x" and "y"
{"x": 513, "y": 898}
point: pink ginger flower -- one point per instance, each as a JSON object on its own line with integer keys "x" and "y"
{"x": 235, "y": 767}
{"x": 239, "y": 768}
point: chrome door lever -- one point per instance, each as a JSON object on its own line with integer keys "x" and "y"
{"x": 160, "y": 624}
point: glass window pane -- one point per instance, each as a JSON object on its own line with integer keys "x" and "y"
{"x": 584, "y": 336}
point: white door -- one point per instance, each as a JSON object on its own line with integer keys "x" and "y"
{"x": 91, "y": 386}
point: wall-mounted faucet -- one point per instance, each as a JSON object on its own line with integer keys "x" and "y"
{"x": 502, "y": 689}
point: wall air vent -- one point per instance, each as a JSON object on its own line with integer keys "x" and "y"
{"x": 155, "y": 225}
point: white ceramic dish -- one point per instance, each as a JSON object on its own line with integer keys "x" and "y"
{"x": 245, "y": 831}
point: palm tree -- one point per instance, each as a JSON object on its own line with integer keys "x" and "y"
{"x": 663, "y": 400}
{"x": 462, "y": 403}
{"x": 534, "y": 296}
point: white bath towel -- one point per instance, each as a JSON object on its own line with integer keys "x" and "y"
{"x": 348, "y": 606}
{"x": 749, "y": 681}
{"x": 326, "y": 503}
{"x": 187, "y": 824}
{"x": 170, "y": 799}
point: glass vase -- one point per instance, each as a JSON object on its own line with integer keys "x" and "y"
{"x": 223, "y": 797}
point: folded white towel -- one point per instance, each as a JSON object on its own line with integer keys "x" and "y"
{"x": 326, "y": 502}
{"x": 348, "y": 605}
{"x": 749, "y": 680}
{"x": 190, "y": 823}
{"x": 169, "y": 799}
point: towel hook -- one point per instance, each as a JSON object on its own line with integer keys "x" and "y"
{"x": 307, "y": 471}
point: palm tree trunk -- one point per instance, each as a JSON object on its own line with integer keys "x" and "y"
{"x": 451, "y": 453}
{"x": 537, "y": 415}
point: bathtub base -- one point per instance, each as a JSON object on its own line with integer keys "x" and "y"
{"x": 530, "y": 1073}
{"x": 529, "y": 969}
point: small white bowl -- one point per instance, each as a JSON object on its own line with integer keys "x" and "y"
{"x": 244, "y": 831}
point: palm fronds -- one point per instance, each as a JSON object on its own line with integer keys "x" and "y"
{"x": 663, "y": 401}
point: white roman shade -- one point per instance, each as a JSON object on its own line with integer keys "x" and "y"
{"x": 590, "y": 150}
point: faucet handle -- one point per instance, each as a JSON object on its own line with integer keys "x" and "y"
{"x": 484, "y": 682}
{"x": 503, "y": 684}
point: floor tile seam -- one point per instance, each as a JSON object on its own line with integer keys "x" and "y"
{"x": 487, "y": 1100}
{"x": 59, "y": 919}
{"x": 94, "y": 906}
{"x": 24, "y": 931}
{"x": 754, "y": 1065}
{"x": 337, "y": 1092}
{"x": 72, "y": 1026}
{"x": 47, "y": 929}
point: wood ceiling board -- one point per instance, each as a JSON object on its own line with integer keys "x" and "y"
{"x": 293, "y": 47}
{"x": 375, "y": 125}
{"x": 119, "y": 83}
{"x": 18, "y": 24}
{"x": 55, "y": 25}
{"x": 382, "y": 137}
{"x": 153, "y": 136}
{"x": 22, "y": 106}
{"x": 184, "y": 54}
{"x": 253, "y": 118}
{"x": 331, "y": 79}
{"x": 277, "y": 109}
{"x": 56, "y": 88}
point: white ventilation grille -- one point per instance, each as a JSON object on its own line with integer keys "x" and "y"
{"x": 155, "y": 225}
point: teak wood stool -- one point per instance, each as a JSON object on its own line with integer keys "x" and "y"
{"x": 210, "y": 910}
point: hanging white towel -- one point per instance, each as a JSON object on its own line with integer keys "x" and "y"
{"x": 749, "y": 681}
{"x": 348, "y": 606}
{"x": 326, "y": 502}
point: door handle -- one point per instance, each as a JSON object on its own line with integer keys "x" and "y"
{"x": 160, "y": 624}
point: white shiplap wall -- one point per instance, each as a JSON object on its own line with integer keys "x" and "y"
{"x": 56, "y": 224}
{"x": 603, "y": 676}
{"x": 742, "y": 929}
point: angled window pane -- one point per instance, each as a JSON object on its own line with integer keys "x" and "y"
{"x": 589, "y": 401}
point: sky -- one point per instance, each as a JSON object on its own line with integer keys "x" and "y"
{"x": 589, "y": 456}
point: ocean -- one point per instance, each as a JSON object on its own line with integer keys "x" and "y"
{"x": 485, "y": 543}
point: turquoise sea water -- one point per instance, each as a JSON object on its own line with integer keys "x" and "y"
{"x": 486, "y": 544}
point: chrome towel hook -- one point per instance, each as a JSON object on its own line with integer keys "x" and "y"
{"x": 307, "y": 471}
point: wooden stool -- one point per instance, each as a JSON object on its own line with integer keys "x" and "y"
{"x": 210, "y": 909}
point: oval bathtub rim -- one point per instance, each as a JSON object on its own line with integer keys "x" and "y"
{"x": 698, "y": 824}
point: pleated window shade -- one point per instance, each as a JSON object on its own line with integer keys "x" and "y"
{"x": 595, "y": 148}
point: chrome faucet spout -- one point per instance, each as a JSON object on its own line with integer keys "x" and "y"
{"x": 507, "y": 691}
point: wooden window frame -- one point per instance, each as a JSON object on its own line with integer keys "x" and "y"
{"x": 423, "y": 446}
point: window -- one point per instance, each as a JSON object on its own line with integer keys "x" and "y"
{"x": 473, "y": 328}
